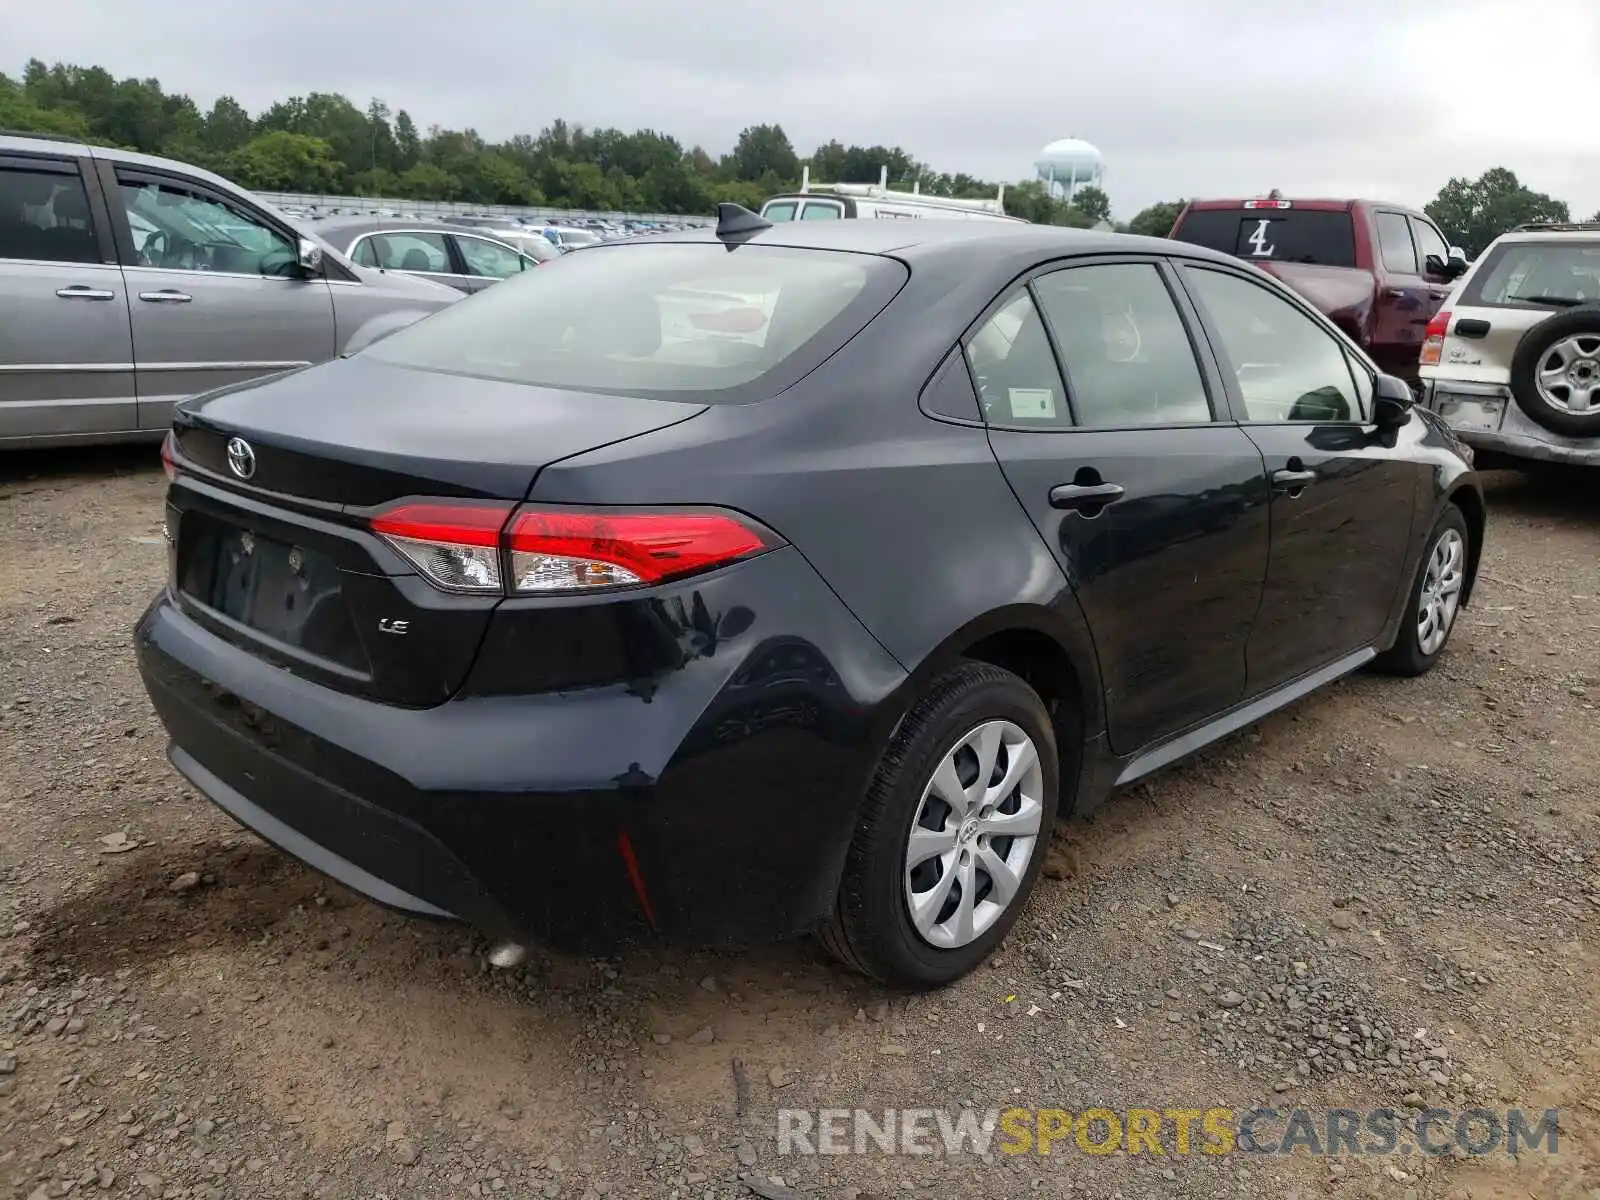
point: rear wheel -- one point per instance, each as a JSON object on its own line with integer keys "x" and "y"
{"x": 1435, "y": 599}
{"x": 952, "y": 832}
{"x": 1555, "y": 373}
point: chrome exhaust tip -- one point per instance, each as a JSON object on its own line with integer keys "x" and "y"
{"x": 507, "y": 955}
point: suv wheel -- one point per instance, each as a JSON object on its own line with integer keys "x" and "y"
{"x": 1435, "y": 599}
{"x": 1555, "y": 373}
{"x": 952, "y": 833}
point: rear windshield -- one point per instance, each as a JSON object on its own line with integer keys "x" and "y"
{"x": 1282, "y": 235}
{"x": 657, "y": 319}
{"x": 1554, "y": 274}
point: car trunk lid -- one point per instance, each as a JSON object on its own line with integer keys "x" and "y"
{"x": 277, "y": 484}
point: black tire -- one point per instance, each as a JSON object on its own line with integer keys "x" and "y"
{"x": 871, "y": 930}
{"x": 1407, "y": 656}
{"x": 1532, "y": 352}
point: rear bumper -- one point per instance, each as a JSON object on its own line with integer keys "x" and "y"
{"x": 731, "y": 783}
{"x": 1510, "y": 431}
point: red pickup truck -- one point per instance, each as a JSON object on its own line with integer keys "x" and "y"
{"x": 1379, "y": 271}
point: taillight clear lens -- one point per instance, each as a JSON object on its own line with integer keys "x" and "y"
{"x": 455, "y": 546}
{"x": 564, "y": 550}
{"x": 1433, "y": 339}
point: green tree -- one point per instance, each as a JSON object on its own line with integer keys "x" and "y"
{"x": 1475, "y": 212}
{"x": 18, "y": 112}
{"x": 407, "y": 145}
{"x": 280, "y": 161}
{"x": 1093, "y": 203}
{"x": 227, "y": 126}
{"x": 763, "y": 150}
{"x": 1158, "y": 219}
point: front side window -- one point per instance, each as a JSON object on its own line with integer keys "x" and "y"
{"x": 422, "y": 252}
{"x": 656, "y": 319}
{"x": 1127, "y": 355}
{"x": 1394, "y": 243}
{"x": 1289, "y": 368}
{"x": 821, "y": 210}
{"x": 489, "y": 260}
{"x": 1430, "y": 244}
{"x": 179, "y": 230}
{"x": 1015, "y": 369}
{"x": 780, "y": 210}
{"x": 44, "y": 215}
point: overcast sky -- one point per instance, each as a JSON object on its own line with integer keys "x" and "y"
{"x": 1382, "y": 98}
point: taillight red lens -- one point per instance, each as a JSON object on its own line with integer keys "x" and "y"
{"x": 455, "y": 545}
{"x": 460, "y": 545}
{"x": 1433, "y": 339}
{"x": 167, "y": 463}
{"x": 565, "y": 550}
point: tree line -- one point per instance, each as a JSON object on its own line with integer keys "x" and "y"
{"x": 323, "y": 143}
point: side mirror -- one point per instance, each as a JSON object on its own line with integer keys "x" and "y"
{"x": 310, "y": 257}
{"x": 1458, "y": 262}
{"x": 1392, "y": 400}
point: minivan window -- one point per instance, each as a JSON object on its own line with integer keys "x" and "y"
{"x": 44, "y": 215}
{"x": 657, "y": 319}
{"x": 191, "y": 231}
{"x": 1291, "y": 235}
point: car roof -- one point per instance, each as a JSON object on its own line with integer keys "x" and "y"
{"x": 369, "y": 224}
{"x": 929, "y": 238}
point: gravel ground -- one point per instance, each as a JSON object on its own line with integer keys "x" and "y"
{"x": 1385, "y": 896}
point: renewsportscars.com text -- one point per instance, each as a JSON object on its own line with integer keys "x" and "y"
{"x": 1174, "y": 1131}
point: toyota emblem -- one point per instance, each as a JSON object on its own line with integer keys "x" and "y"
{"x": 241, "y": 459}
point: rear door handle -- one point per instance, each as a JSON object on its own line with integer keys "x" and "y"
{"x": 80, "y": 291}
{"x": 1080, "y": 496}
{"x": 166, "y": 296}
{"x": 1291, "y": 480}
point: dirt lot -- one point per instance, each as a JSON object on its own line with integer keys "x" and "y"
{"x": 1386, "y": 896}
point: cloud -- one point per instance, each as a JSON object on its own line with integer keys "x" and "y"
{"x": 1183, "y": 97}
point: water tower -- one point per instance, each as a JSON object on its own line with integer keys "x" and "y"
{"x": 1069, "y": 164}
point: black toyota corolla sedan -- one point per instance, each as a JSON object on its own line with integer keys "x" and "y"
{"x": 753, "y": 581}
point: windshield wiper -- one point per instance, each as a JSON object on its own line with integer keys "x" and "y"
{"x": 1552, "y": 301}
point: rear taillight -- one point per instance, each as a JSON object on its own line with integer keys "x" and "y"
{"x": 167, "y": 463}
{"x": 488, "y": 548}
{"x": 456, "y": 546}
{"x": 1433, "y": 339}
{"x": 560, "y": 550}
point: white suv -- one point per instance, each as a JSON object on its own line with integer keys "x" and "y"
{"x": 1512, "y": 360}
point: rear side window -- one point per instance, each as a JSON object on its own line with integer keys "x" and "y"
{"x": 1283, "y": 235}
{"x": 1543, "y": 274}
{"x": 44, "y": 215}
{"x": 1015, "y": 369}
{"x": 658, "y": 320}
{"x": 1394, "y": 243}
{"x": 409, "y": 252}
{"x": 1128, "y": 357}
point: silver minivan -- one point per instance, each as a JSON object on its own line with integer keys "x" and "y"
{"x": 130, "y": 282}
